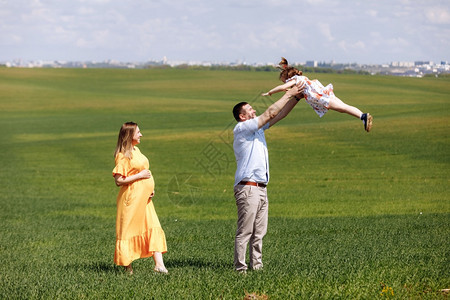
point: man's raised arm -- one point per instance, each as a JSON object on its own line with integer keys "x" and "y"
{"x": 276, "y": 108}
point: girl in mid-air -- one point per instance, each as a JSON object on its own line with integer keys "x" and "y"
{"x": 319, "y": 97}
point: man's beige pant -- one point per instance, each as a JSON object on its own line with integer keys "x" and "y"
{"x": 252, "y": 207}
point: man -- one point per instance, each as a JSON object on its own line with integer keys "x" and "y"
{"x": 252, "y": 175}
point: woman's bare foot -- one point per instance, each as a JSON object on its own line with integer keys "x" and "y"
{"x": 159, "y": 263}
{"x": 162, "y": 270}
{"x": 129, "y": 269}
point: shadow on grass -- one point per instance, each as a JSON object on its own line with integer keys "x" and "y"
{"x": 95, "y": 267}
{"x": 198, "y": 263}
{"x": 102, "y": 267}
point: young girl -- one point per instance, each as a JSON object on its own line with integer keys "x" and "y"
{"x": 319, "y": 97}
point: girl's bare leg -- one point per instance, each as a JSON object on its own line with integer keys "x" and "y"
{"x": 339, "y": 106}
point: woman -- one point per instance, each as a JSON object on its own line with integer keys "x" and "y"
{"x": 138, "y": 231}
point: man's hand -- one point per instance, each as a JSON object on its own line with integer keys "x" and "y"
{"x": 294, "y": 94}
{"x": 297, "y": 90}
{"x": 274, "y": 109}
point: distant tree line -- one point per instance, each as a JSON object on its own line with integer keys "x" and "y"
{"x": 441, "y": 75}
{"x": 259, "y": 69}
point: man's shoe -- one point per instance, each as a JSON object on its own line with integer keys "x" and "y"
{"x": 367, "y": 120}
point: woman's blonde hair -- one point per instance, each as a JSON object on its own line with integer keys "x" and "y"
{"x": 125, "y": 140}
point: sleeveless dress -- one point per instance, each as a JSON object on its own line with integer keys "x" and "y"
{"x": 315, "y": 93}
{"x": 138, "y": 231}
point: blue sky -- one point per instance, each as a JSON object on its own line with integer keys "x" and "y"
{"x": 376, "y": 31}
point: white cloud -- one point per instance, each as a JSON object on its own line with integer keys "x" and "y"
{"x": 85, "y": 10}
{"x": 10, "y": 39}
{"x": 325, "y": 30}
{"x": 348, "y": 46}
{"x": 95, "y": 1}
{"x": 438, "y": 15}
{"x": 372, "y": 13}
{"x": 260, "y": 30}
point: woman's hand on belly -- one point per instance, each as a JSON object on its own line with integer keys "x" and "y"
{"x": 145, "y": 174}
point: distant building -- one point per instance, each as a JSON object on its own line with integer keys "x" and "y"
{"x": 423, "y": 63}
{"x": 405, "y": 64}
{"x": 311, "y": 63}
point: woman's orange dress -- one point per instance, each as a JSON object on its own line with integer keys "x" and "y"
{"x": 138, "y": 231}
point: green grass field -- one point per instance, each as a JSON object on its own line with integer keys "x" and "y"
{"x": 352, "y": 214}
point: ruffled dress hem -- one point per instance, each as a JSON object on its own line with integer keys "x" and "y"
{"x": 141, "y": 246}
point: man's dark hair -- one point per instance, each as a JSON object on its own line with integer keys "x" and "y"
{"x": 237, "y": 110}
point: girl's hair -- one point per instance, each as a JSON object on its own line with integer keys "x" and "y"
{"x": 283, "y": 63}
{"x": 125, "y": 140}
{"x": 287, "y": 71}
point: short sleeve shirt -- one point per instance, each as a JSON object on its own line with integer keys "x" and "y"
{"x": 250, "y": 150}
